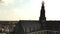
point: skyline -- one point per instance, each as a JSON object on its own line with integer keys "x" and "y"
{"x": 28, "y": 9}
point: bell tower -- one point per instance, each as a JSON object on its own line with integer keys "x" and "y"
{"x": 42, "y": 18}
{"x": 42, "y": 14}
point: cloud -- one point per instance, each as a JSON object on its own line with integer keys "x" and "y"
{"x": 6, "y": 2}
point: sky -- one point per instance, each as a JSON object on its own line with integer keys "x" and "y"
{"x": 15, "y": 10}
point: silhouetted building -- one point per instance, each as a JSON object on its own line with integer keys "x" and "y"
{"x": 41, "y": 26}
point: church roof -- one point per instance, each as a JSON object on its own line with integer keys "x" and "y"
{"x": 30, "y": 25}
{"x": 49, "y": 25}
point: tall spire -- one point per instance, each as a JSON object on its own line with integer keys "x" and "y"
{"x": 42, "y": 18}
{"x": 42, "y": 14}
{"x": 42, "y": 10}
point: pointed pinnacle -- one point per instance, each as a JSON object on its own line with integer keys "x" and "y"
{"x": 42, "y": 2}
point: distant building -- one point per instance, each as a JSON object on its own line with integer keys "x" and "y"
{"x": 7, "y": 26}
{"x": 41, "y": 26}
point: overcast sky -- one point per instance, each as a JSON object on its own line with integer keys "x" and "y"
{"x": 28, "y": 9}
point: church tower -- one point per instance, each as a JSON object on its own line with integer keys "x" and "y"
{"x": 42, "y": 18}
{"x": 42, "y": 14}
